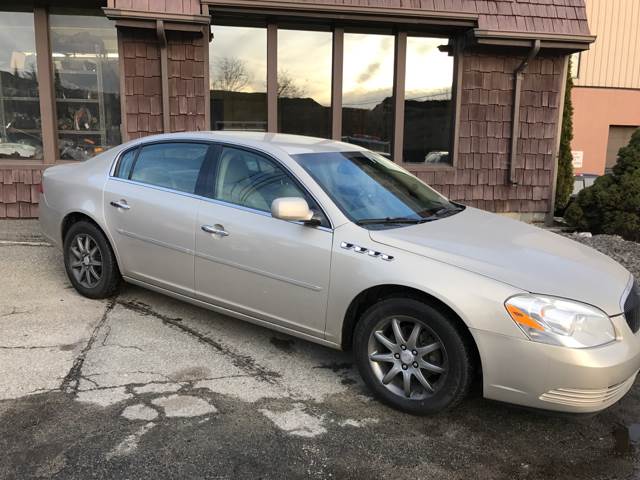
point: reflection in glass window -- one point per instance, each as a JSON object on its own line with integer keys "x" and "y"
{"x": 428, "y": 107}
{"x": 238, "y": 78}
{"x": 248, "y": 179}
{"x": 20, "y": 131}
{"x": 367, "y": 99}
{"x": 170, "y": 165}
{"x": 304, "y": 86}
{"x": 84, "y": 51}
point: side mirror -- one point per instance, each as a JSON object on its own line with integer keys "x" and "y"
{"x": 291, "y": 208}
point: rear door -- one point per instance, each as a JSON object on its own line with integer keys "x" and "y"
{"x": 150, "y": 209}
{"x": 255, "y": 264}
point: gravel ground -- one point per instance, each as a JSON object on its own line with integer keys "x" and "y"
{"x": 625, "y": 252}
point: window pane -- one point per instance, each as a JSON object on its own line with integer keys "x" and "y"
{"x": 248, "y": 179}
{"x": 124, "y": 165}
{"x": 304, "y": 87}
{"x": 170, "y": 165}
{"x": 87, "y": 86}
{"x": 238, "y": 78}
{"x": 20, "y": 131}
{"x": 367, "y": 186}
{"x": 428, "y": 107}
{"x": 367, "y": 103}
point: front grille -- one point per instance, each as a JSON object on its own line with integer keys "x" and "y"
{"x": 632, "y": 308}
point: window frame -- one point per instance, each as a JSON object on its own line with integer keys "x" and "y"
{"x": 207, "y": 175}
{"x": 46, "y": 93}
{"x": 338, "y": 31}
{"x": 114, "y": 170}
{"x": 399, "y": 101}
{"x": 211, "y": 178}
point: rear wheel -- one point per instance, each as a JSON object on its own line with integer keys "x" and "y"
{"x": 89, "y": 261}
{"x": 412, "y": 356}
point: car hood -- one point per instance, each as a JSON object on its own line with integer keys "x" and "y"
{"x": 516, "y": 253}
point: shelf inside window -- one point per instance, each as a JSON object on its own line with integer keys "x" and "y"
{"x": 80, "y": 132}
{"x": 77, "y": 100}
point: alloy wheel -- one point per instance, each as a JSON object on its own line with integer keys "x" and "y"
{"x": 407, "y": 357}
{"x": 85, "y": 260}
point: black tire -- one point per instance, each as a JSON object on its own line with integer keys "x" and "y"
{"x": 109, "y": 274}
{"x": 455, "y": 355}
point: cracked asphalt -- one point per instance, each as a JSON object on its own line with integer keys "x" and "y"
{"x": 143, "y": 386}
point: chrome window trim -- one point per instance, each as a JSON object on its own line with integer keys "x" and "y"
{"x": 210, "y": 200}
{"x": 269, "y": 156}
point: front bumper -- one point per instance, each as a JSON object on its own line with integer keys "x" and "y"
{"x": 519, "y": 371}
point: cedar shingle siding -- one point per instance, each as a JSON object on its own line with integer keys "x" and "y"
{"x": 481, "y": 176}
{"x": 19, "y": 193}
{"x": 187, "y": 92}
{"x": 142, "y": 82}
{"x": 539, "y": 16}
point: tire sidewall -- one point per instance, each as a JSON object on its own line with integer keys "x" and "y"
{"x": 109, "y": 269}
{"x": 457, "y": 380}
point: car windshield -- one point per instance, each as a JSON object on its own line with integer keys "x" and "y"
{"x": 373, "y": 191}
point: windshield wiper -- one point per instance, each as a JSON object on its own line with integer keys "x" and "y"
{"x": 446, "y": 212}
{"x": 392, "y": 220}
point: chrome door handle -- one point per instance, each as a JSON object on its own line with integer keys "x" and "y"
{"x": 121, "y": 204}
{"x": 217, "y": 230}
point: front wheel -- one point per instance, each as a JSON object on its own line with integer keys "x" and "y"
{"x": 89, "y": 261}
{"x": 412, "y": 356}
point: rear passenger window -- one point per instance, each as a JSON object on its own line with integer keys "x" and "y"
{"x": 170, "y": 165}
{"x": 124, "y": 165}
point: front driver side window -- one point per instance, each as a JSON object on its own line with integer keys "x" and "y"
{"x": 251, "y": 180}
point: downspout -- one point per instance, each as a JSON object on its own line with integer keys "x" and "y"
{"x": 161, "y": 35}
{"x": 515, "y": 126}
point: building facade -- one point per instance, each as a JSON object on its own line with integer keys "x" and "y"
{"x": 466, "y": 94}
{"x": 606, "y": 95}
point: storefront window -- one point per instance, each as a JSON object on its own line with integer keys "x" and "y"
{"x": 428, "y": 107}
{"x": 367, "y": 99}
{"x": 85, "y": 59}
{"x": 20, "y": 130}
{"x": 238, "y": 78}
{"x": 304, "y": 86}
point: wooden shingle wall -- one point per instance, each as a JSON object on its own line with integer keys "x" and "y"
{"x": 186, "y": 7}
{"x": 187, "y": 89}
{"x": 525, "y": 16}
{"x": 142, "y": 82}
{"x": 481, "y": 175}
{"x": 19, "y": 192}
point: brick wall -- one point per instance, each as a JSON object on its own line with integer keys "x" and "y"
{"x": 481, "y": 176}
{"x": 142, "y": 82}
{"x": 19, "y": 193}
{"x": 187, "y": 89}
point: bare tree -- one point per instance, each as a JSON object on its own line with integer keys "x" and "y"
{"x": 231, "y": 75}
{"x": 287, "y": 87}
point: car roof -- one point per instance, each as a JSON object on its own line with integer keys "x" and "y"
{"x": 290, "y": 144}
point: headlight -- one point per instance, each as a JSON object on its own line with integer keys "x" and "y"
{"x": 560, "y": 322}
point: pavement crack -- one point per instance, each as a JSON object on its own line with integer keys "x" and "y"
{"x": 243, "y": 362}
{"x": 72, "y": 379}
{"x": 132, "y": 347}
{"x": 15, "y": 311}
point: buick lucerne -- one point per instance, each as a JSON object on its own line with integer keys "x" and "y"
{"x": 337, "y": 245}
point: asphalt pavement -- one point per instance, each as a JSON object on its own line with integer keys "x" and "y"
{"x": 144, "y": 386}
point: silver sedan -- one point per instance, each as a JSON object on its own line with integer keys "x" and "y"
{"x": 337, "y": 245}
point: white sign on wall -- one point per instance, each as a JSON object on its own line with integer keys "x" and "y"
{"x": 578, "y": 158}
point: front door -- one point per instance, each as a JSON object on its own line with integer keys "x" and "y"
{"x": 255, "y": 264}
{"x": 150, "y": 209}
